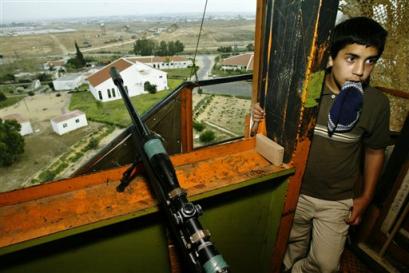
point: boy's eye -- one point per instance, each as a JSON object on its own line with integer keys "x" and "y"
{"x": 371, "y": 61}
{"x": 350, "y": 59}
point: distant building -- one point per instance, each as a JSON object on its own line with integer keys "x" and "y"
{"x": 35, "y": 84}
{"x": 163, "y": 62}
{"x": 25, "y": 76}
{"x": 68, "y": 81}
{"x": 55, "y": 65}
{"x": 239, "y": 62}
{"x": 69, "y": 122}
{"x": 26, "y": 128}
{"x": 135, "y": 75}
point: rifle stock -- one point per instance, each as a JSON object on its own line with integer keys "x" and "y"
{"x": 191, "y": 239}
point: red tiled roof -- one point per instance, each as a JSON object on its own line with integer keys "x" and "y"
{"x": 243, "y": 59}
{"x": 67, "y": 116}
{"x": 103, "y": 74}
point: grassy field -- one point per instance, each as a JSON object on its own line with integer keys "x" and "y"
{"x": 40, "y": 150}
{"x": 10, "y": 101}
{"x": 113, "y": 112}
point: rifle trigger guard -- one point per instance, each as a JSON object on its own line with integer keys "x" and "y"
{"x": 176, "y": 193}
{"x": 199, "y": 235}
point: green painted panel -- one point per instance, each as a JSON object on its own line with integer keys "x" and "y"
{"x": 243, "y": 223}
{"x": 133, "y": 246}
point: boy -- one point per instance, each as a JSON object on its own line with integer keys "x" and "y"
{"x": 327, "y": 205}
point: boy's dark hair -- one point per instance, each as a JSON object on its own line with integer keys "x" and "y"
{"x": 358, "y": 30}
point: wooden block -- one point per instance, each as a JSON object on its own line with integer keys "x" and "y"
{"x": 269, "y": 149}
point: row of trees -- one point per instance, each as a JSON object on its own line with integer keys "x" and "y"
{"x": 147, "y": 47}
{"x": 227, "y": 49}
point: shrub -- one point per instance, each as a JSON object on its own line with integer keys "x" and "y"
{"x": 31, "y": 93}
{"x": 93, "y": 144}
{"x": 198, "y": 126}
{"x": 2, "y": 96}
{"x": 207, "y": 136}
{"x": 151, "y": 88}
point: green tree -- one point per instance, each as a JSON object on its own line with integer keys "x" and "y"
{"x": 2, "y": 96}
{"x": 171, "y": 48}
{"x": 207, "y": 136}
{"x": 250, "y": 47}
{"x": 225, "y": 49}
{"x": 179, "y": 46}
{"x": 163, "y": 49}
{"x": 151, "y": 88}
{"x": 80, "y": 58}
{"x": 144, "y": 47}
{"x": 11, "y": 142}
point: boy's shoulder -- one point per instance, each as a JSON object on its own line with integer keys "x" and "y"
{"x": 374, "y": 95}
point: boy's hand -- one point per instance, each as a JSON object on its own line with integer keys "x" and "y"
{"x": 359, "y": 206}
{"x": 258, "y": 113}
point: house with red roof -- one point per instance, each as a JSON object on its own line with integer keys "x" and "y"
{"x": 239, "y": 62}
{"x": 134, "y": 73}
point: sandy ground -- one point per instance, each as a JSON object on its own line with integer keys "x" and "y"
{"x": 41, "y": 107}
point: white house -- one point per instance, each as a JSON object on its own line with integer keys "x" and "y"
{"x": 68, "y": 81}
{"x": 163, "y": 62}
{"x": 134, "y": 74}
{"x": 239, "y": 62}
{"x": 26, "y": 128}
{"x": 69, "y": 122}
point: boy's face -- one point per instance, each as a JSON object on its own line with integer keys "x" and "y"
{"x": 354, "y": 62}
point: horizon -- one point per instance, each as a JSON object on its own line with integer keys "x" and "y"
{"x": 20, "y": 11}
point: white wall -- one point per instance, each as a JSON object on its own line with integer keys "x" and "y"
{"x": 171, "y": 65}
{"x": 61, "y": 84}
{"x": 134, "y": 78}
{"x": 68, "y": 125}
{"x": 26, "y": 128}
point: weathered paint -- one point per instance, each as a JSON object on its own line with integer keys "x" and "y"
{"x": 299, "y": 38}
{"x": 186, "y": 133}
{"x": 90, "y": 201}
{"x": 242, "y": 222}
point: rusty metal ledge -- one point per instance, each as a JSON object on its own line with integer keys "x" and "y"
{"x": 58, "y": 209}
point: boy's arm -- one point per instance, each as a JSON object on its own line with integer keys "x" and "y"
{"x": 373, "y": 165}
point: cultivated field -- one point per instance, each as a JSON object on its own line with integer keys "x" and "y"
{"x": 116, "y": 38}
{"x": 225, "y": 115}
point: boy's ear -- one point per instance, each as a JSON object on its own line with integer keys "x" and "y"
{"x": 330, "y": 62}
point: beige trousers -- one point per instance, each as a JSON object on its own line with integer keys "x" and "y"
{"x": 318, "y": 235}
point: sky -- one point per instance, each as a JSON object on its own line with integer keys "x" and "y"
{"x": 22, "y": 10}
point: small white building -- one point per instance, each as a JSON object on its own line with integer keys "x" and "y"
{"x": 239, "y": 62}
{"x": 134, "y": 74}
{"x": 55, "y": 65}
{"x": 69, "y": 122}
{"x": 157, "y": 62}
{"x": 68, "y": 81}
{"x": 26, "y": 128}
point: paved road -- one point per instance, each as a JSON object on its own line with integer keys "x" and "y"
{"x": 205, "y": 63}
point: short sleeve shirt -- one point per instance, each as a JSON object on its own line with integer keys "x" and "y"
{"x": 333, "y": 165}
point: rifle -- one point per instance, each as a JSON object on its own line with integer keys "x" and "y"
{"x": 191, "y": 239}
